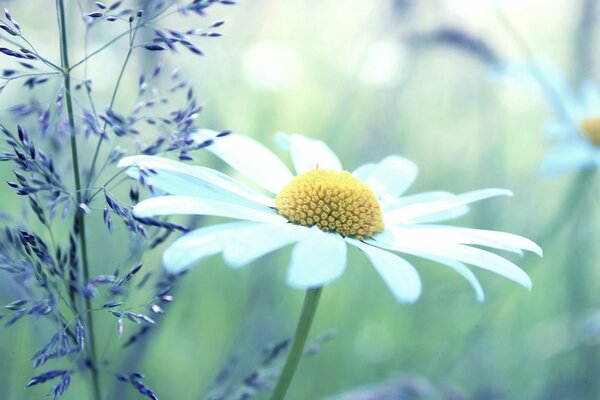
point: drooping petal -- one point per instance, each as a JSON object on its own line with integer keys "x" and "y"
{"x": 178, "y": 205}
{"x": 309, "y": 153}
{"x": 251, "y": 242}
{"x": 177, "y": 178}
{"x": 196, "y": 245}
{"x": 317, "y": 260}
{"x": 466, "y": 254}
{"x": 251, "y": 159}
{"x": 398, "y": 274}
{"x": 390, "y": 177}
{"x": 480, "y": 237}
{"x": 460, "y": 269}
{"x": 438, "y": 210}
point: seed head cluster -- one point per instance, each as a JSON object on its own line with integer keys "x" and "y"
{"x": 333, "y": 201}
{"x": 591, "y": 127}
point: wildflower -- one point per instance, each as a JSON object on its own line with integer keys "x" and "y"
{"x": 321, "y": 210}
{"x": 575, "y": 125}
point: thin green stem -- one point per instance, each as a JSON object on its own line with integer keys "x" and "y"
{"x": 11, "y": 78}
{"x": 80, "y": 221}
{"x": 44, "y": 60}
{"x": 118, "y": 37}
{"x": 90, "y": 178}
{"x": 105, "y": 186}
{"x": 311, "y": 301}
{"x": 19, "y": 45}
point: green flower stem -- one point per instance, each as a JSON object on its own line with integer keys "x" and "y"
{"x": 311, "y": 301}
{"x": 64, "y": 56}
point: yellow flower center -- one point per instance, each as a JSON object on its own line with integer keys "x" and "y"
{"x": 333, "y": 201}
{"x": 591, "y": 127}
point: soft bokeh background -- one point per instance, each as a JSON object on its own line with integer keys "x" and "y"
{"x": 369, "y": 78}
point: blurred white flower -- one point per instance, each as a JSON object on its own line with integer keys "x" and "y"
{"x": 321, "y": 210}
{"x": 271, "y": 66}
{"x": 575, "y": 125}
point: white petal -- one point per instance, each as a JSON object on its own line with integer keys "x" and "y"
{"x": 423, "y": 197}
{"x": 567, "y": 157}
{"x": 309, "y": 154}
{"x": 480, "y": 237}
{"x": 460, "y": 269}
{"x": 559, "y": 130}
{"x": 428, "y": 197}
{"x": 177, "y": 178}
{"x": 244, "y": 245}
{"x": 178, "y": 205}
{"x": 317, "y": 260}
{"x": 439, "y": 216}
{"x": 469, "y": 255}
{"x": 251, "y": 159}
{"x": 390, "y": 177}
{"x": 399, "y": 275}
{"x": 192, "y": 247}
{"x": 482, "y": 194}
{"x": 546, "y": 79}
{"x": 364, "y": 171}
{"x": 465, "y": 272}
{"x": 437, "y": 210}
{"x": 591, "y": 97}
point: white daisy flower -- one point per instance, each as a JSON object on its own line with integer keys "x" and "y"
{"x": 320, "y": 210}
{"x": 575, "y": 126}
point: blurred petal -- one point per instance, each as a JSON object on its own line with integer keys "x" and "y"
{"x": 317, "y": 260}
{"x": 566, "y": 157}
{"x": 251, "y": 242}
{"x": 546, "y": 79}
{"x": 177, "y": 178}
{"x": 390, "y": 177}
{"x": 438, "y": 210}
{"x": 192, "y": 247}
{"x": 559, "y": 130}
{"x": 460, "y": 269}
{"x": 399, "y": 275}
{"x": 179, "y": 205}
{"x": 309, "y": 153}
{"x": 469, "y": 255}
{"x": 251, "y": 159}
{"x": 590, "y": 95}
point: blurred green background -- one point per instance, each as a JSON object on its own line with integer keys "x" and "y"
{"x": 350, "y": 73}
